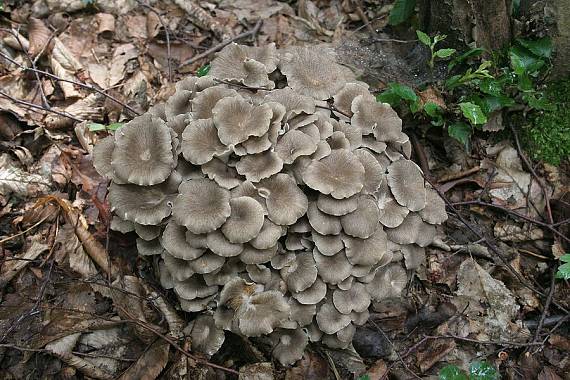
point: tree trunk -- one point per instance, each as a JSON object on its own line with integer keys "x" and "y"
{"x": 559, "y": 10}
{"x": 485, "y": 22}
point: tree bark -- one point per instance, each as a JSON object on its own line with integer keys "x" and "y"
{"x": 559, "y": 10}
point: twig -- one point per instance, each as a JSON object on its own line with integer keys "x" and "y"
{"x": 461, "y": 174}
{"x": 546, "y": 305}
{"x": 221, "y": 45}
{"x": 80, "y": 84}
{"x": 168, "y": 53}
{"x": 43, "y": 108}
{"x": 420, "y": 154}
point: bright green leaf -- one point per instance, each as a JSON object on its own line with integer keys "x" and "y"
{"x": 465, "y": 56}
{"x": 444, "y": 53}
{"x": 114, "y": 126}
{"x": 483, "y": 371}
{"x": 202, "y": 71}
{"x": 390, "y": 97}
{"x": 453, "y": 82}
{"x": 523, "y": 61}
{"x": 438, "y": 38}
{"x": 434, "y": 112}
{"x": 415, "y": 106}
{"x": 403, "y": 91}
{"x": 424, "y": 38}
{"x": 490, "y": 103}
{"x": 452, "y": 372}
{"x": 541, "y": 47}
{"x": 473, "y": 113}
{"x": 564, "y": 269}
{"x": 364, "y": 377}
{"x": 96, "y": 127}
{"x": 401, "y": 11}
{"x": 461, "y": 132}
{"x": 491, "y": 86}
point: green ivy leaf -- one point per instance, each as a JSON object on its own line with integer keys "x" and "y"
{"x": 434, "y": 112}
{"x": 564, "y": 269}
{"x": 541, "y": 47}
{"x": 401, "y": 11}
{"x": 453, "y": 82}
{"x": 390, "y": 97}
{"x": 403, "y": 91}
{"x": 523, "y": 61}
{"x": 491, "y": 87}
{"x": 114, "y": 126}
{"x": 444, "y": 53}
{"x": 364, "y": 377}
{"x": 490, "y": 104}
{"x": 438, "y": 38}
{"x": 203, "y": 71}
{"x": 483, "y": 371}
{"x": 473, "y": 113}
{"x": 424, "y": 38}
{"x": 96, "y": 127}
{"x": 465, "y": 56}
{"x": 452, "y": 372}
{"x": 461, "y": 132}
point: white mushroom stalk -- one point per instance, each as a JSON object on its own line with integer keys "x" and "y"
{"x": 266, "y": 212}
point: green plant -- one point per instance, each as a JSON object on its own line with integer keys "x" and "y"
{"x": 478, "y": 370}
{"x": 564, "y": 269}
{"x": 204, "y": 70}
{"x": 401, "y": 11}
{"x": 96, "y": 127}
{"x": 439, "y": 53}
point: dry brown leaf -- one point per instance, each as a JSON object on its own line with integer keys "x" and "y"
{"x": 39, "y": 36}
{"x": 378, "y": 370}
{"x": 105, "y": 24}
{"x": 431, "y": 95}
{"x": 17, "y": 181}
{"x": 150, "y": 364}
{"x": 121, "y": 55}
{"x": 71, "y": 247}
{"x": 433, "y": 352}
{"x": 12, "y": 267}
{"x": 136, "y": 26}
{"x": 310, "y": 367}
{"x": 256, "y": 371}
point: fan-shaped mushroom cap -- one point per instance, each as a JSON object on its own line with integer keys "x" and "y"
{"x": 158, "y": 110}
{"x": 314, "y": 71}
{"x": 363, "y": 221}
{"x": 235, "y": 292}
{"x": 192, "y": 288}
{"x": 180, "y": 270}
{"x": 391, "y": 214}
{"x": 224, "y": 175}
{"x": 245, "y": 221}
{"x": 330, "y": 320}
{"x": 340, "y": 174}
{"x": 122, "y": 226}
{"x": 147, "y": 232}
{"x": 221, "y": 246}
{"x": 252, "y": 255}
{"x": 149, "y": 248}
{"x": 196, "y": 240}
{"x": 178, "y": 104}
{"x": 374, "y": 145}
{"x": 200, "y": 142}
{"x": 286, "y": 203}
{"x": 294, "y": 144}
{"x": 166, "y": 280}
{"x": 366, "y": 251}
{"x": 328, "y": 245}
{"x": 359, "y": 319}
{"x": 301, "y": 315}
{"x": 346, "y": 284}
{"x": 412, "y": 230}
{"x": 268, "y": 236}
{"x": 414, "y": 256}
{"x": 202, "y": 205}
{"x": 206, "y": 100}
{"x": 290, "y": 345}
{"x": 434, "y": 212}
{"x": 226, "y": 273}
{"x": 256, "y": 167}
{"x": 237, "y": 63}
{"x": 206, "y": 337}
{"x": 143, "y": 151}
{"x": 332, "y": 269}
{"x": 262, "y": 312}
{"x": 407, "y": 184}
{"x": 323, "y": 223}
{"x": 174, "y": 241}
{"x": 102, "y": 154}
{"x": 343, "y": 98}
{"x": 207, "y": 263}
{"x": 236, "y": 120}
{"x": 378, "y": 118}
{"x": 143, "y": 205}
{"x": 259, "y": 274}
{"x": 336, "y": 207}
{"x": 282, "y": 259}
{"x": 352, "y": 134}
{"x": 388, "y": 282}
{"x": 293, "y": 102}
{"x": 301, "y": 273}
{"x": 355, "y": 299}
{"x": 338, "y": 141}
{"x": 346, "y": 334}
{"x": 313, "y": 294}
{"x": 197, "y": 304}
{"x": 373, "y": 171}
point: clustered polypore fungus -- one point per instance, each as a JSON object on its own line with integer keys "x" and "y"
{"x": 278, "y": 195}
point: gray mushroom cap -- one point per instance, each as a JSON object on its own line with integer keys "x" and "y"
{"x": 330, "y": 320}
{"x": 206, "y": 336}
{"x": 147, "y": 232}
{"x": 332, "y": 269}
{"x": 256, "y": 167}
{"x": 180, "y": 270}
{"x": 412, "y": 230}
{"x": 245, "y": 220}
{"x": 294, "y": 144}
{"x": 343, "y": 98}
{"x": 434, "y": 212}
{"x": 261, "y": 313}
{"x": 221, "y": 173}
{"x": 407, "y": 184}
{"x": 340, "y": 174}
{"x": 285, "y": 201}
{"x": 221, "y": 246}
{"x": 206, "y": 100}
{"x": 313, "y": 294}
{"x": 293, "y": 102}
{"x": 268, "y": 236}
{"x": 336, "y": 207}
{"x": 251, "y": 255}
{"x": 143, "y": 151}
{"x": 388, "y": 282}
{"x": 174, "y": 241}
{"x": 202, "y": 205}
{"x": 328, "y": 245}
{"x": 200, "y": 142}
{"x": 355, "y": 299}
{"x": 143, "y": 205}
{"x": 149, "y": 248}
{"x": 323, "y": 223}
{"x": 301, "y": 273}
{"x": 367, "y": 251}
{"x": 290, "y": 345}
{"x": 377, "y": 118}
{"x": 363, "y": 221}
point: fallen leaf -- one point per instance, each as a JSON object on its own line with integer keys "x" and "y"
{"x": 11, "y": 267}
{"x": 39, "y": 35}
{"x": 548, "y": 373}
{"x": 434, "y": 351}
{"x": 378, "y": 370}
{"x": 17, "y": 181}
{"x": 71, "y": 247}
{"x": 256, "y": 371}
{"x": 310, "y": 367}
{"x": 150, "y": 364}
{"x": 121, "y": 55}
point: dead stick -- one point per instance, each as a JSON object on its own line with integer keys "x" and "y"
{"x": 222, "y": 45}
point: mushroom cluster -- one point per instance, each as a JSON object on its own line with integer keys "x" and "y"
{"x": 278, "y": 196}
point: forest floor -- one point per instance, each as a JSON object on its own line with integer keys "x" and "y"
{"x": 486, "y": 292}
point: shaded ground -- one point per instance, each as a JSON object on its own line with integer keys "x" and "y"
{"x": 486, "y": 291}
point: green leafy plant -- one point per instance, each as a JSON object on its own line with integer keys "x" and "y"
{"x": 432, "y": 43}
{"x": 478, "y": 370}
{"x": 564, "y": 269}
{"x": 401, "y": 11}
{"x": 97, "y": 127}
{"x": 203, "y": 71}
